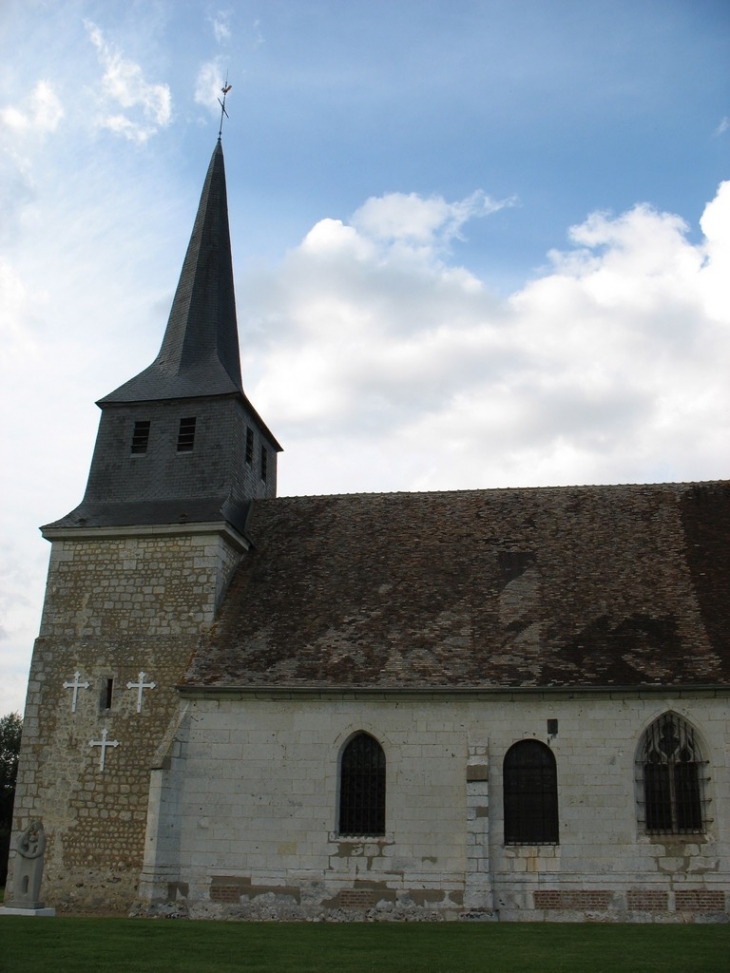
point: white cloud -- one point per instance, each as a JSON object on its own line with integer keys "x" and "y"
{"x": 221, "y": 22}
{"x": 397, "y": 370}
{"x": 40, "y": 113}
{"x": 148, "y": 105}
{"x": 17, "y": 190}
{"x": 209, "y": 83}
{"x": 430, "y": 222}
{"x": 334, "y": 237}
{"x": 14, "y": 312}
{"x": 723, "y": 126}
{"x": 121, "y": 125}
{"x": 714, "y": 271}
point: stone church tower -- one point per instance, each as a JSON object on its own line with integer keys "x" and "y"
{"x": 136, "y": 574}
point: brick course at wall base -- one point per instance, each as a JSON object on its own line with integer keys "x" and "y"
{"x": 583, "y": 901}
{"x": 700, "y": 900}
{"x": 644, "y": 900}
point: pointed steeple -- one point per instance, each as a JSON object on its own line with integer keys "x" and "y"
{"x": 180, "y": 444}
{"x": 199, "y": 354}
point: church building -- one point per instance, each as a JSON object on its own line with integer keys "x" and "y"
{"x": 485, "y": 704}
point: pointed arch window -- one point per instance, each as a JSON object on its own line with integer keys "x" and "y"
{"x": 530, "y": 794}
{"x": 362, "y": 788}
{"x": 672, "y": 778}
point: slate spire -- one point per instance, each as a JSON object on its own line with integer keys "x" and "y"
{"x": 199, "y": 354}
{"x": 180, "y": 443}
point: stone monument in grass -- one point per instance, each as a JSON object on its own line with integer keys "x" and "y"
{"x": 25, "y": 895}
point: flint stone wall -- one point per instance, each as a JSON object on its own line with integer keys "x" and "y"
{"x": 114, "y": 607}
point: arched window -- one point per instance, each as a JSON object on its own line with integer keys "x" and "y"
{"x": 362, "y": 788}
{"x": 671, "y": 777}
{"x": 530, "y": 794}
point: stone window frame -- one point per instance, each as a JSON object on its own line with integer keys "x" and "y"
{"x": 672, "y": 778}
{"x": 530, "y": 794}
{"x": 361, "y": 792}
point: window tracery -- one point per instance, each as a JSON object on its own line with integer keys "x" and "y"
{"x": 672, "y": 778}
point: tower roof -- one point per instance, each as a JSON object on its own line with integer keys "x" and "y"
{"x": 199, "y": 354}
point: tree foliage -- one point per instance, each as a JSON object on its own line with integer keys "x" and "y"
{"x": 11, "y": 727}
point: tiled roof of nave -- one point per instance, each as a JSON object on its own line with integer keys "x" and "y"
{"x": 566, "y": 586}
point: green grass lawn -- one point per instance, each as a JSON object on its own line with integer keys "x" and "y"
{"x": 174, "y": 946}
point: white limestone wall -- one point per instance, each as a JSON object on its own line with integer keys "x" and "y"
{"x": 256, "y": 812}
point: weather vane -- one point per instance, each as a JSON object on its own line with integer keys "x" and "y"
{"x": 224, "y": 90}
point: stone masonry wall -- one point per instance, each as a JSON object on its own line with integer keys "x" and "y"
{"x": 115, "y": 608}
{"x": 255, "y": 811}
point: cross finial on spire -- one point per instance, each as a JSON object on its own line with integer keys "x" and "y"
{"x": 224, "y": 90}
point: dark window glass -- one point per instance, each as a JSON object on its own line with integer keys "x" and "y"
{"x": 264, "y": 463}
{"x": 687, "y": 796}
{"x": 186, "y": 435}
{"x": 141, "y": 436}
{"x": 530, "y": 794}
{"x": 362, "y": 788}
{"x": 249, "y": 446}
{"x": 671, "y": 768}
{"x": 107, "y": 694}
{"x": 657, "y": 793}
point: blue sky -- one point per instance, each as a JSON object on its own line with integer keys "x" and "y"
{"x": 477, "y": 243}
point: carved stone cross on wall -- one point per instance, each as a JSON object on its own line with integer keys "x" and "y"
{"x": 76, "y": 685}
{"x": 103, "y": 743}
{"x": 140, "y": 686}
